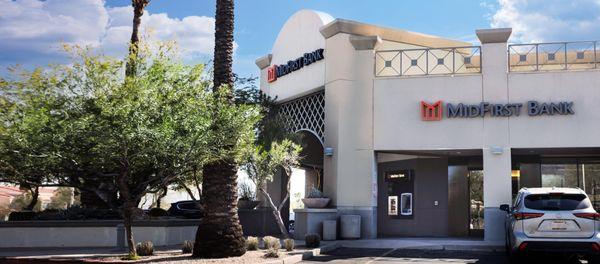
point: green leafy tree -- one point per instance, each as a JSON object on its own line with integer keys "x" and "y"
{"x": 62, "y": 198}
{"x": 88, "y": 122}
{"x": 262, "y": 166}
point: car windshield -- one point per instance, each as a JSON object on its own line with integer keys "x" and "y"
{"x": 557, "y": 202}
{"x": 189, "y": 206}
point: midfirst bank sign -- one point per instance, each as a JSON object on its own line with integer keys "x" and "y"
{"x": 435, "y": 111}
{"x": 308, "y": 58}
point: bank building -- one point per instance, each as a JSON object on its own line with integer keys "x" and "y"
{"x": 425, "y": 136}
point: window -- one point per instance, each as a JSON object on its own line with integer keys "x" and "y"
{"x": 559, "y": 175}
{"x": 589, "y": 178}
{"x": 557, "y": 202}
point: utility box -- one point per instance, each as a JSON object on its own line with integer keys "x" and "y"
{"x": 329, "y": 230}
{"x": 350, "y": 226}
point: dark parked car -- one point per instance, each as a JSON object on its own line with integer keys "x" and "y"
{"x": 187, "y": 209}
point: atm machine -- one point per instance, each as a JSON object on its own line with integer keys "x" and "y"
{"x": 400, "y": 193}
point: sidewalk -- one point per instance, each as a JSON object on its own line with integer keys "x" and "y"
{"x": 464, "y": 244}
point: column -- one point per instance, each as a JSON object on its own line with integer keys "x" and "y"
{"x": 496, "y": 149}
{"x": 350, "y": 177}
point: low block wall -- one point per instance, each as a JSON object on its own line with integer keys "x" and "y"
{"x": 101, "y": 233}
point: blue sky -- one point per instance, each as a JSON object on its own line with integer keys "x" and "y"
{"x": 31, "y": 30}
{"x": 258, "y": 21}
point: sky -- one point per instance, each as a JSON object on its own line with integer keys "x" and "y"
{"x": 32, "y": 31}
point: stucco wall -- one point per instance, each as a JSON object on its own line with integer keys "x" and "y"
{"x": 578, "y": 130}
{"x": 397, "y": 120}
{"x": 106, "y": 233}
{"x": 398, "y": 124}
{"x": 300, "y": 34}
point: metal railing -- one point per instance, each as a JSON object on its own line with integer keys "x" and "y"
{"x": 553, "y": 56}
{"x": 428, "y": 61}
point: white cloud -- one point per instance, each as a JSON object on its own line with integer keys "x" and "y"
{"x": 549, "y": 20}
{"x": 32, "y": 31}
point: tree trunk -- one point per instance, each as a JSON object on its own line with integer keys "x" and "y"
{"x": 35, "y": 193}
{"x": 223, "y": 52}
{"x": 220, "y": 234}
{"x": 138, "y": 11}
{"x": 162, "y": 195}
{"x": 128, "y": 205}
{"x": 188, "y": 190}
{"x": 277, "y": 212}
{"x": 127, "y": 220}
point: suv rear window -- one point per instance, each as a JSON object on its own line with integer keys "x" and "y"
{"x": 557, "y": 202}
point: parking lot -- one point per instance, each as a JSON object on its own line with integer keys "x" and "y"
{"x": 364, "y": 255}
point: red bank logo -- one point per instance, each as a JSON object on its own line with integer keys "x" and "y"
{"x": 431, "y": 112}
{"x": 272, "y": 73}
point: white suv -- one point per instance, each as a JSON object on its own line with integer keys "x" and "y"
{"x": 559, "y": 220}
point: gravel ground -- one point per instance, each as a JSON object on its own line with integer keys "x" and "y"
{"x": 178, "y": 258}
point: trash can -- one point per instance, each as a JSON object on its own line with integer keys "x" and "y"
{"x": 350, "y": 226}
{"x": 329, "y": 230}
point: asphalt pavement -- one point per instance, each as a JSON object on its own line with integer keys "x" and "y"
{"x": 412, "y": 256}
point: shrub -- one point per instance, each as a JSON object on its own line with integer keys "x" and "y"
{"x": 272, "y": 253}
{"x": 315, "y": 193}
{"x": 51, "y": 214}
{"x": 271, "y": 242}
{"x": 252, "y": 243}
{"x": 312, "y": 240}
{"x": 130, "y": 257}
{"x": 145, "y": 248}
{"x": 246, "y": 192}
{"x": 21, "y": 216}
{"x": 157, "y": 212}
{"x": 289, "y": 244}
{"x": 187, "y": 247}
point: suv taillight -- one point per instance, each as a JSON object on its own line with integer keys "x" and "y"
{"x": 591, "y": 216}
{"x": 522, "y": 216}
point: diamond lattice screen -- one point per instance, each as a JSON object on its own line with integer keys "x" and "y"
{"x": 306, "y": 113}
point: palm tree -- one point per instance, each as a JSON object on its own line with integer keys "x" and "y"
{"x": 138, "y": 11}
{"x": 220, "y": 233}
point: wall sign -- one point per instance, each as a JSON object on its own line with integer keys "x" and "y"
{"x": 435, "y": 111}
{"x": 276, "y": 71}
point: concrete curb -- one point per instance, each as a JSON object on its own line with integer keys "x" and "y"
{"x": 457, "y": 248}
{"x": 305, "y": 255}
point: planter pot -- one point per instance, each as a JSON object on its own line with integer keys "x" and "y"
{"x": 245, "y": 204}
{"x": 315, "y": 202}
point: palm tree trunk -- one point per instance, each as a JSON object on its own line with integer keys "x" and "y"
{"x": 220, "y": 233}
{"x": 138, "y": 11}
